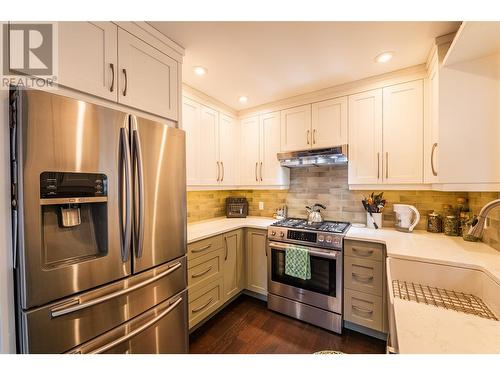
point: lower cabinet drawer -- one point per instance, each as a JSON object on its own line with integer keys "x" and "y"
{"x": 197, "y": 249}
{"x": 363, "y": 309}
{"x": 204, "y": 301}
{"x": 364, "y": 275}
{"x": 205, "y": 267}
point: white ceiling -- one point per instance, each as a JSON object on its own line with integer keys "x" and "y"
{"x": 268, "y": 61}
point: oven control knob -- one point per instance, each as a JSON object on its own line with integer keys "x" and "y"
{"x": 321, "y": 238}
{"x": 273, "y": 233}
{"x": 337, "y": 241}
{"x": 282, "y": 234}
{"x": 328, "y": 239}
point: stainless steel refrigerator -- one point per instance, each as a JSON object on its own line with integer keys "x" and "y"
{"x": 99, "y": 227}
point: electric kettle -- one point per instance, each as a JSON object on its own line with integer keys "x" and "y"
{"x": 407, "y": 217}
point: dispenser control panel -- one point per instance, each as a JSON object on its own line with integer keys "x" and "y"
{"x": 72, "y": 185}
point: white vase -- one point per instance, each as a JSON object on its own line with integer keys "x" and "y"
{"x": 377, "y": 217}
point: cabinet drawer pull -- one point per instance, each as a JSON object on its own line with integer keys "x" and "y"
{"x": 218, "y": 172}
{"x": 362, "y": 277}
{"x": 112, "y": 67}
{"x": 261, "y": 171}
{"x": 202, "y": 273}
{"x": 201, "y": 249}
{"x": 202, "y": 307}
{"x": 307, "y": 137}
{"x": 256, "y": 165}
{"x": 361, "y": 252}
{"x": 314, "y": 136}
{"x": 362, "y": 310}
{"x": 222, "y": 166}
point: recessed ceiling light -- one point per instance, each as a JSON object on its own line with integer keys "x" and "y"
{"x": 199, "y": 70}
{"x": 243, "y": 99}
{"x": 384, "y": 57}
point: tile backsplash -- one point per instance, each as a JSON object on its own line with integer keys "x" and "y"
{"x": 328, "y": 185}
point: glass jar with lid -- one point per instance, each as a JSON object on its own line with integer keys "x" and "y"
{"x": 434, "y": 223}
{"x": 451, "y": 225}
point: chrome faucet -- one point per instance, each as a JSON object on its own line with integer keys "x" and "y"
{"x": 477, "y": 227}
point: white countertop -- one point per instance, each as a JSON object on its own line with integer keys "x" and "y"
{"x": 434, "y": 248}
{"x": 420, "y": 328}
{"x": 423, "y": 328}
{"x": 207, "y": 228}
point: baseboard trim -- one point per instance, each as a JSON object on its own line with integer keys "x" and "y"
{"x": 365, "y": 330}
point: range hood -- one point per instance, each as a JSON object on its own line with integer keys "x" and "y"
{"x": 314, "y": 158}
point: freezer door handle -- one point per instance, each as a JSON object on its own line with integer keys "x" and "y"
{"x": 125, "y": 162}
{"x": 75, "y": 304}
{"x": 139, "y": 219}
{"x": 138, "y": 330}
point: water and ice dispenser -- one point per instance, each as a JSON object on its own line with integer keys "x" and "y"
{"x": 74, "y": 216}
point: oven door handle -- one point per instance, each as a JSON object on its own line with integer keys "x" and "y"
{"x": 322, "y": 254}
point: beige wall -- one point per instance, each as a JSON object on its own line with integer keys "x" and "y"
{"x": 328, "y": 185}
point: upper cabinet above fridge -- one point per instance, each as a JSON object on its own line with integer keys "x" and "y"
{"x": 126, "y": 63}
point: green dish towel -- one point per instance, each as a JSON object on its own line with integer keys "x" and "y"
{"x": 298, "y": 263}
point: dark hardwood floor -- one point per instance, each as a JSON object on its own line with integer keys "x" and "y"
{"x": 247, "y": 326}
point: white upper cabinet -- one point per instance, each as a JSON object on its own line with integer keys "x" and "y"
{"x": 88, "y": 57}
{"x": 212, "y": 140}
{"x": 148, "y": 78}
{"x": 403, "y": 128}
{"x": 431, "y": 130}
{"x": 329, "y": 123}
{"x": 365, "y": 138}
{"x": 228, "y": 149}
{"x": 105, "y": 60}
{"x": 191, "y": 112}
{"x": 209, "y": 172}
{"x": 270, "y": 170}
{"x": 296, "y": 128}
{"x": 250, "y": 151}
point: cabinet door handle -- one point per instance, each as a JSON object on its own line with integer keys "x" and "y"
{"x": 194, "y": 275}
{"x": 434, "y": 172}
{"x": 378, "y": 165}
{"x": 222, "y": 166}
{"x": 261, "y": 171}
{"x": 218, "y": 172}
{"x": 386, "y": 165}
{"x": 202, "y": 307}
{"x": 225, "y": 242}
{"x": 256, "y": 165}
{"x": 112, "y": 67}
{"x": 314, "y": 136}
{"x": 307, "y": 136}
{"x": 124, "y": 71}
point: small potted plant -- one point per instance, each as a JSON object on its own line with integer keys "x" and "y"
{"x": 374, "y": 205}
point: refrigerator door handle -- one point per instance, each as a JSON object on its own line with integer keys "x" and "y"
{"x": 125, "y": 162}
{"x": 139, "y": 221}
{"x": 137, "y": 331}
{"x": 75, "y": 305}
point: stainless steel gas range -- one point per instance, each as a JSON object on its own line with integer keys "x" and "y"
{"x": 319, "y": 299}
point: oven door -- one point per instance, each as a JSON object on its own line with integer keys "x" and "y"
{"x": 323, "y": 290}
